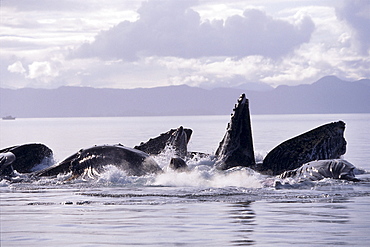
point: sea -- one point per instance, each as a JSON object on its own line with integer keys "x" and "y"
{"x": 198, "y": 208}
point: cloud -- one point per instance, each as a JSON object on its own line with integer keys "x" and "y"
{"x": 356, "y": 14}
{"x": 173, "y": 28}
{"x": 46, "y": 5}
{"x": 16, "y": 67}
{"x": 207, "y": 43}
{"x": 42, "y": 70}
{"x": 217, "y": 72}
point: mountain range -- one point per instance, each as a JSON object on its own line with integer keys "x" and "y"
{"x": 327, "y": 95}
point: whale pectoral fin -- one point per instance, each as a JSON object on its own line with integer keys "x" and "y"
{"x": 6, "y": 160}
{"x": 2, "y": 162}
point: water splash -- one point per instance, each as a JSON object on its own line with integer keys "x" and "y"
{"x": 201, "y": 174}
{"x": 46, "y": 162}
{"x": 210, "y": 178}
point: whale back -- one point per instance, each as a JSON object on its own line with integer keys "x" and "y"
{"x": 133, "y": 162}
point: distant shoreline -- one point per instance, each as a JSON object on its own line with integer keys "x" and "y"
{"x": 328, "y": 95}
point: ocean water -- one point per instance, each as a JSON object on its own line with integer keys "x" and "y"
{"x": 200, "y": 208}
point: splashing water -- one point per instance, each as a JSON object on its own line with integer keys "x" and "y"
{"x": 209, "y": 178}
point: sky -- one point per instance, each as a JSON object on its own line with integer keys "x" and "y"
{"x": 203, "y": 43}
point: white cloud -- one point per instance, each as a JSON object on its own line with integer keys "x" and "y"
{"x": 167, "y": 28}
{"x": 216, "y": 72}
{"x": 206, "y": 43}
{"x": 42, "y": 70}
{"x": 356, "y": 14}
{"x": 16, "y": 67}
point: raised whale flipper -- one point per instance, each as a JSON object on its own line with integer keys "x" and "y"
{"x": 236, "y": 147}
{"x": 320, "y": 169}
{"x": 322, "y": 143}
{"x": 134, "y": 162}
{"x": 6, "y": 160}
{"x": 176, "y": 138}
{"x": 28, "y": 156}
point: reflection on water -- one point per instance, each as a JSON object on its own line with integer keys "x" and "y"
{"x": 319, "y": 223}
{"x": 242, "y": 215}
{"x": 112, "y": 216}
{"x": 291, "y": 223}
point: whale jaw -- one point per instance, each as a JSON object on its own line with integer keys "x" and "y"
{"x": 175, "y": 138}
{"x": 236, "y": 147}
{"x": 322, "y": 143}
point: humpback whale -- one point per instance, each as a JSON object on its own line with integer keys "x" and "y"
{"x": 320, "y": 169}
{"x": 322, "y": 143}
{"x": 134, "y": 162}
{"x": 176, "y": 138}
{"x": 312, "y": 155}
{"x": 290, "y": 158}
{"x": 26, "y": 158}
{"x": 236, "y": 147}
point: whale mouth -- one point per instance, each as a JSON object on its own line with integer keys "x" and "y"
{"x": 236, "y": 147}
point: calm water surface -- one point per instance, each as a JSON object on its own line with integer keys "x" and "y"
{"x": 196, "y": 209}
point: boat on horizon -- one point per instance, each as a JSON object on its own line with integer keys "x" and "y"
{"x": 9, "y": 118}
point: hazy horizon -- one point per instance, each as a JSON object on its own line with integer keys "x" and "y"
{"x": 327, "y": 95}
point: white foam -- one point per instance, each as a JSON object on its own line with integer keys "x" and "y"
{"x": 203, "y": 174}
{"x": 164, "y": 158}
{"x": 208, "y": 178}
{"x": 113, "y": 174}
